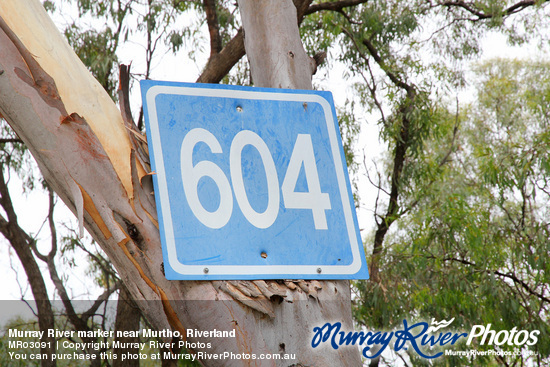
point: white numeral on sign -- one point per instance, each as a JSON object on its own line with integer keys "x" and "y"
{"x": 314, "y": 199}
{"x": 302, "y": 155}
{"x": 191, "y": 175}
{"x": 260, "y": 220}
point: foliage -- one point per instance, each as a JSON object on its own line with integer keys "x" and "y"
{"x": 475, "y": 244}
{"x": 461, "y": 219}
{"x": 5, "y": 350}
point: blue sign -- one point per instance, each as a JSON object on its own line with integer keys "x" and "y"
{"x": 250, "y": 183}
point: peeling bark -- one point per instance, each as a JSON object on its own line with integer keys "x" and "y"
{"x": 99, "y": 168}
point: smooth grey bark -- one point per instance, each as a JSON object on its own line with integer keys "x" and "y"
{"x": 278, "y": 60}
{"x": 273, "y": 46}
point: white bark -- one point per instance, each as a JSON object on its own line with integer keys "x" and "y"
{"x": 273, "y": 45}
{"x": 278, "y": 60}
{"x": 92, "y": 161}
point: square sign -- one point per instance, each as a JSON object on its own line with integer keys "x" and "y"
{"x": 250, "y": 183}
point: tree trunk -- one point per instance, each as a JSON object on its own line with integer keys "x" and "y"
{"x": 96, "y": 165}
{"x": 278, "y": 60}
{"x": 273, "y": 46}
{"x": 127, "y": 319}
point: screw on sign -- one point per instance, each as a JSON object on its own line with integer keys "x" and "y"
{"x": 251, "y": 183}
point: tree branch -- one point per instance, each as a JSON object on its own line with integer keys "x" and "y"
{"x": 515, "y": 8}
{"x": 102, "y": 298}
{"x": 373, "y": 88}
{"x": 221, "y": 63}
{"x": 11, "y": 140}
{"x": 80, "y": 323}
{"x": 333, "y": 6}
{"x": 124, "y": 95}
{"x": 18, "y": 240}
{"x": 51, "y": 222}
{"x": 510, "y": 276}
{"x": 213, "y": 26}
{"x": 393, "y": 77}
{"x": 402, "y": 142}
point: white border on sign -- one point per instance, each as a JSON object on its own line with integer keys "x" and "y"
{"x": 235, "y": 270}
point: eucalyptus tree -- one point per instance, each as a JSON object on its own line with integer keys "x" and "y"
{"x": 405, "y": 60}
{"x": 412, "y": 62}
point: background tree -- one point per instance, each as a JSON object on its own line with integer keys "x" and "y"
{"x": 412, "y": 94}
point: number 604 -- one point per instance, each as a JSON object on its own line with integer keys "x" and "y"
{"x": 302, "y": 154}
